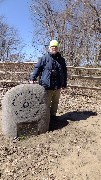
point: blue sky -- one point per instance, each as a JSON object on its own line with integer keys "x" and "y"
{"x": 17, "y": 14}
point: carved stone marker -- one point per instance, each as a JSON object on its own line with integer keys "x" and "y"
{"x": 25, "y": 104}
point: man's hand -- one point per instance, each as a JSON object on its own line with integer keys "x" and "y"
{"x": 31, "y": 82}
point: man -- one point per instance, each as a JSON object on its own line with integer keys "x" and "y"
{"x": 52, "y": 72}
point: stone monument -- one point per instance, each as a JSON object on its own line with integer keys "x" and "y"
{"x": 25, "y": 104}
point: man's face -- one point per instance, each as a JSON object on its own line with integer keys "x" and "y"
{"x": 53, "y": 49}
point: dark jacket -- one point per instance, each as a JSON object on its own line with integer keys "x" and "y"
{"x": 52, "y": 71}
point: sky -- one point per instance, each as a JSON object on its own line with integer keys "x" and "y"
{"x": 17, "y": 14}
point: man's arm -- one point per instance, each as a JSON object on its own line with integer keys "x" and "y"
{"x": 38, "y": 68}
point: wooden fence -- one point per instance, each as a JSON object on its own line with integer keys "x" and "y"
{"x": 92, "y": 75}
{"x": 78, "y": 77}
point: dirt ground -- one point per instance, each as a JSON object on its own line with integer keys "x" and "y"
{"x": 71, "y": 150}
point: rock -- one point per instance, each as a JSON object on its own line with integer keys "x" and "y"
{"x": 25, "y": 105}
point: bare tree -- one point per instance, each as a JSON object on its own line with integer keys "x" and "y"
{"x": 10, "y": 43}
{"x": 76, "y": 25}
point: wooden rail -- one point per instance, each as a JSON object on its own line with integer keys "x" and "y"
{"x": 88, "y": 77}
{"x": 13, "y": 72}
{"x": 84, "y": 68}
{"x": 83, "y": 87}
{"x": 70, "y": 76}
{"x": 68, "y": 67}
{"x": 10, "y": 81}
{"x": 85, "y": 77}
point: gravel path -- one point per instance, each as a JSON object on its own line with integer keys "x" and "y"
{"x": 71, "y": 150}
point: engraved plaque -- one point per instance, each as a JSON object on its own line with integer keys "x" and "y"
{"x": 27, "y": 128}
